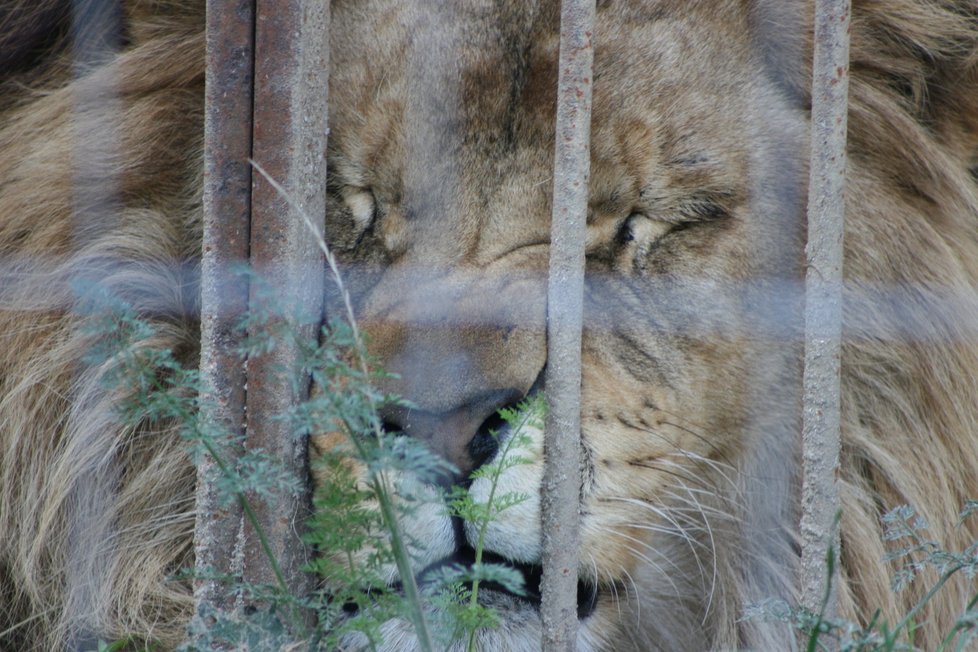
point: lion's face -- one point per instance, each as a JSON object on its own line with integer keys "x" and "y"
{"x": 441, "y": 153}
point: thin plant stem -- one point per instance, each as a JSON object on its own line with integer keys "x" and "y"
{"x": 252, "y": 518}
{"x": 924, "y": 600}
{"x": 959, "y": 627}
{"x": 484, "y": 525}
{"x": 242, "y": 499}
{"x": 383, "y": 492}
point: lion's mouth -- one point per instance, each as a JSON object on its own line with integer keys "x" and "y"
{"x": 587, "y": 593}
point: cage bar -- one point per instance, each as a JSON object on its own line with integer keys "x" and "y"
{"x": 823, "y": 299}
{"x": 289, "y": 143}
{"x": 565, "y": 304}
{"x": 224, "y": 295}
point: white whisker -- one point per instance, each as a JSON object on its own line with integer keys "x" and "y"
{"x": 713, "y": 553}
{"x": 644, "y": 557}
{"x": 636, "y": 593}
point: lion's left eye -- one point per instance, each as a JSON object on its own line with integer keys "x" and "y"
{"x": 640, "y": 230}
{"x": 636, "y": 238}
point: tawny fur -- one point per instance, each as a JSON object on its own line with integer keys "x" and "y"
{"x": 100, "y": 180}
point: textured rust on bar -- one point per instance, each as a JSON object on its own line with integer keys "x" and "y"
{"x": 291, "y": 75}
{"x": 224, "y": 295}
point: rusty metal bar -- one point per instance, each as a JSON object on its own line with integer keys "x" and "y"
{"x": 823, "y": 298}
{"x": 289, "y": 142}
{"x": 565, "y": 304}
{"x": 224, "y": 295}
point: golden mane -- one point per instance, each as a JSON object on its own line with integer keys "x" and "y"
{"x": 910, "y": 414}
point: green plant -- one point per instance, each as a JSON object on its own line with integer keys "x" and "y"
{"x": 361, "y": 513}
{"x": 155, "y": 391}
{"x": 357, "y": 516}
{"x": 528, "y": 414}
{"x": 916, "y": 553}
{"x": 348, "y": 520}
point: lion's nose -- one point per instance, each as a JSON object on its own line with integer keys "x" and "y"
{"x": 465, "y": 436}
{"x": 457, "y": 345}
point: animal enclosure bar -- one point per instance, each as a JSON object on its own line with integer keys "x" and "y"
{"x": 565, "y": 307}
{"x": 823, "y": 298}
{"x": 224, "y": 295}
{"x": 289, "y": 143}
{"x": 266, "y": 101}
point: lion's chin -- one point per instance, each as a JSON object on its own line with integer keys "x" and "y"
{"x": 532, "y": 573}
{"x": 519, "y": 629}
{"x": 519, "y": 623}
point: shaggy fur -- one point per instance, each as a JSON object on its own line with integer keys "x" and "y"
{"x": 440, "y": 161}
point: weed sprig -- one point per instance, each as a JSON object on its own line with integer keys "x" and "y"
{"x": 914, "y": 553}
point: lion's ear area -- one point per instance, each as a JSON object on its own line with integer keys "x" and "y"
{"x": 28, "y": 28}
{"x": 923, "y": 54}
{"x": 36, "y": 34}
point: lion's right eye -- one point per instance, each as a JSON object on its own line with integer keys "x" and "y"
{"x": 362, "y": 207}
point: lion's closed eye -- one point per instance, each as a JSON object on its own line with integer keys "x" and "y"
{"x": 636, "y": 237}
{"x": 638, "y": 228}
{"x": 362, "y": 207}
{"x": 663, "y": 212}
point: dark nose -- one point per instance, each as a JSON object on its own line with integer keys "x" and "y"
{"x": 457, "y": 344}
{"x": 465, "y": 436}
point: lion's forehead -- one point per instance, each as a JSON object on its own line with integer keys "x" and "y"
{"x": 454, "y": 121}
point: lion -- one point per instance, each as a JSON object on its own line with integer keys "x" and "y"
{"x": 440, "y": 163}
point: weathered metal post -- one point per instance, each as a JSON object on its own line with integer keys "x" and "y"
{"x": 565, "y": 293}
{"x": 224, "y": 294}
{"x": 267, "y": 74}
{"x": 823, "y": 298}
{"x": 289, "y": 143}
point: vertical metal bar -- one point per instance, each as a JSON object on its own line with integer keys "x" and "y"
{"x": 224, "y": 295}
{"x": 823, "y": 297}
{"x": 565, "y": 301}
{"x": 291, "y": 82}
